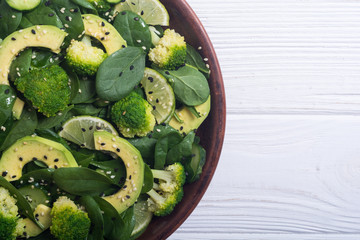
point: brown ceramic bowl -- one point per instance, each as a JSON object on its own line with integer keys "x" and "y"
{"x": 211, "y": 132}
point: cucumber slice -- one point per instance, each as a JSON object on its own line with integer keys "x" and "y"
{"x": 35, "y": 195}
{"x": 22, "y": 5}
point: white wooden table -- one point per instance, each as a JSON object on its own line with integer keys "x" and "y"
{"x": 290, "y": 166}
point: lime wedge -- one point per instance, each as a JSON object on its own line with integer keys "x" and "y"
{"x": 159, "y": 94}
{"x": 152, "y": 11}
{"x": 142, "y": 217}
{"x": 80, "y": 130}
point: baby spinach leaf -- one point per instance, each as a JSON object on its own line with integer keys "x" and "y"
{"x": 95, "y": 215}
{"x": 194, "y": 59}
{"x": 9, "y": 19}
{"x": 133, "y": 29}
{"x": 86, "y": 109}
{"x": 70, "y": 16}
{"x": 114, "y": 169}
{"x": 181, "y": 151}
{"x": 85, "y": 92}
{"x": 50, "y": 122}
{"x": 21, "y": 202}
{"x": 194, "y": 167}
{"x": 85, "y": 4}
{"x": 190, "y": 86}
{"x": 24, "y": 127}
{"x": 7, "y": 100}
{"x": 42, "y": 15}
{"x": 129, "y": 223}
{"x": 162, "y": 147}
{"x": 51, "y": 135}
{"x": 44, "y": 58}
{"x": 146, "y": 146}
{"x": 148, "y": 180}
{"x": 82, "y": 181}
{"x": 38, "y": 175}
{"x": 6, "y": 130}
{"x": 21, "y": 64}
{"x": 120, "y": 73}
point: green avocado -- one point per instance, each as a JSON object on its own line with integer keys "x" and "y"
{"x": 22, "y": 5}
{"x": 103, "y": 31}
{"x": 42, "y": 213}
{"x": 134, "y": 164}
{"x": 32, "y": 148}
{"x": 189, "y": 120}
{"x": 36, "y": 36}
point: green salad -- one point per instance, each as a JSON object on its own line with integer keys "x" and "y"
{"x": 100, "y": 101}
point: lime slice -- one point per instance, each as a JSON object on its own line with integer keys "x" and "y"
{"x": 80, "y": 130}
{"x": 152, "y": 11}
{"x": 159, "y": 94}
{"x": 142, "y": 217}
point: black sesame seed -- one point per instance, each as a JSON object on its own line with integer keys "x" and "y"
{"x": 163, "y": 124}
{"x": 4, "y": 173}
{"x": 51, "y": 14}
{"x": 142, "y": 13}
{"x": 76, "y": 10}
{"x": 56, "y": 167}
{"x": 14, "y": 176}
{"x": 151, "y": 79}
{"x": 107, "y": 33}
{"x": 103, "y": 144}
{"x": 136, "y": 18}
{"x": 91, "y": 128}
{"x": 20, "y": 158}
{"x": 83, "y": 129}
{"x": 132, "y": 67}
{"x": 102, "y": 24}
{"x": 61, "y": 129}
{"x": 181, "y": 128}
{"x": 123, "y": 46}
{"x": 67, "y": 18}
{"x": 98, "y": 128}
{"x": 45, "y": 157}
{"x": 24, "y": 233}
{"x": 14, "y": 39}
{"x": 157, "y": 100}
{"x": 133, "y": 3}
{"x": 193, "y": 155}
{"x": 33, "y": 31}
{"x": 151, "y": 92}
{"x": 167, "y": 72}
{"x": 154, "y": 107}
{"x": 56, "y": 160}
{"x": 47, "y": 3}
{"x": 122, "y": 0}
{"x": 130, "y": 177}
{"x": 102, "y": 39}
{"x": 125, "y": 186}
{"x": 36, "y": 215}
{"x": 118, "y": 149}
{"x": 121, "y": 73}
{"x": 82, "y": 145}
{"x": 7, "y": 91}
{"x": 127, "y": 196}
{"x": 150, "y": 136}
{"x": 34, "y": 159}
{"x": 123, "y": 13}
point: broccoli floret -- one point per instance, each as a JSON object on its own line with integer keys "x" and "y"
{"x": 11, "y": 225}
{"x": 47, "y": 88}
{"x": 133, "y": 116}
{"x": 84, "y": 58}
{"x": 68, "y": 222}
{"x": 166, "y": 194}
{"x": 170, "y": 52}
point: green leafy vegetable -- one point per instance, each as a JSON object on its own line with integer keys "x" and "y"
{"x": 95, "y": 215}
{"x": 194, "y": 59}
{"x": 7, "y": 100}
{"x": 10, "y": 19}
{"x": 42, "y": 15}
{"x": 21, "y": 64}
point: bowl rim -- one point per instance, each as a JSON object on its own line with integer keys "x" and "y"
{"x": 171, "y": 223}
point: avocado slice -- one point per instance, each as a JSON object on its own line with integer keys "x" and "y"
{"x": 31, "y": 148}
{"x": 134, "y": 164}
{"x": 42, "y": 213}
{"x": 190, "y": 122}
{"x": 36, "y": 36}
{"x": 103, "y": 31}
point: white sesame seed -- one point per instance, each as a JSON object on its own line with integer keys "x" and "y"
{"x": 66, "y": 25}
{"x": 143, "y": 47}
{"x": 206, "y": 59}
{"x": 199, "y": 48}
{"x": 207, "y": 65}
{"x": 13, "y": 16}
{"x": 112, "y": 176}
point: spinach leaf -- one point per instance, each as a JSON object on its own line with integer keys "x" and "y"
{"x": 95, "y": 215}
{"x": 82, "y": 181}
{"x": 181, "y": 151}
{"x": 120, "y": 73}
{"x": 194, "y": 167}
{"x": 21, "y": 64}
{"x": 162, "y": 147}
{"x": 7, "y": 100}
{"x": 9, "y": 19}
{"x": 24, "y": 127}
{"x": 21, "y": 202}
{"x": 86, "y": 109}
{"x": 148, "y": 180}
{"x": 85, "y": 92}
{"x": 83, "y": 159}
{"x": 129, "y": 223}
{"x": 6, "y": 130}
{"x": 42, "y": 15}
{"x": 51, "y": 135}
{"x": 70, "y": 16}
{"x": 190, "y": 86}
{"x": 44, "y": 58}
{"x": 85, "y": 4}
{"x": 38, "y": 175}
{"x": 50, "y": 122}
{"x": 194, "y": 59}
{"x": 114, "y": 169}
{"x": 133, "y": 29}
{"x": 146, "y": 146}
{"x": 162, "y": 130}
{"x": 74, "y": 82}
